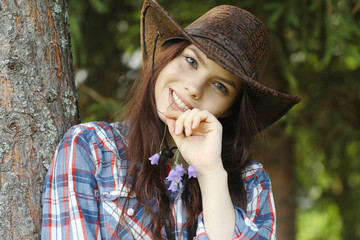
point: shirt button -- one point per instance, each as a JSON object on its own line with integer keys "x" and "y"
{"x": 130, "y": 212}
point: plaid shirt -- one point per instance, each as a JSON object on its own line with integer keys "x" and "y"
{"x": 83, "y": 193}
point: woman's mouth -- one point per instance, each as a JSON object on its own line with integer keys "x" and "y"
{"x": 179, "y": 104}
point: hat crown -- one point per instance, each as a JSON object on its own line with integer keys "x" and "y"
{"x": 237, "y": 32}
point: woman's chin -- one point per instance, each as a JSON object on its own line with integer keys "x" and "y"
{"x": 162, "y": 117}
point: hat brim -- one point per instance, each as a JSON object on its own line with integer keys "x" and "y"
{"x": 157, "y": 26}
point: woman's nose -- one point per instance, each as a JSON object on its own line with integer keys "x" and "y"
{"x": 195, "y": 86}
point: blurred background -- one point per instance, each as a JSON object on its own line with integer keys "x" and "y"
{"x": 312, "y": 154}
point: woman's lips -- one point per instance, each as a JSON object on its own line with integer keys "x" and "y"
{"x": 178, "y": 103}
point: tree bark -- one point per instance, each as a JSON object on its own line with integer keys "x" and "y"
{"x": 38, "y": 104}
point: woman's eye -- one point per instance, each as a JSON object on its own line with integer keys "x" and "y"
{"x": 221, "y": 87}
{"x": 192, "y": 61}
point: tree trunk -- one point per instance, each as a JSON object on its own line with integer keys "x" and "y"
{"x": 38, "y": 103}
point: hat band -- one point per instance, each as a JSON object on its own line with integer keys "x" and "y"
{"x": 237, "y": 56}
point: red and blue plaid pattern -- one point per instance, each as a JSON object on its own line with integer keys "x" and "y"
{"x": 83, "y": 193}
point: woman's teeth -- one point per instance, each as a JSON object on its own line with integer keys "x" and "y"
{"x": 179, "y": 102}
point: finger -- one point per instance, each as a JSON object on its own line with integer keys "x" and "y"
{"x": 179, "y": 124}
{"x": 175, "y": 115}
{"x": 197, "y": 120}
{"x": 188, "y": 121}
{"x": 171, "y": 125}
{"x": 205, "y": 121}
{"x": 172, "y": 114}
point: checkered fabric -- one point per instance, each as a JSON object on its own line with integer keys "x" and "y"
{"x": 83, "y": 193}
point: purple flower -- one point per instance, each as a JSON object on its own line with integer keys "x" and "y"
{"x": 173, "y": 186}
{"x": 174, "y": 176}
{"x": 155, "y": 159}
{"x": 192, "y": 172}
{"x": 180, "y": 169}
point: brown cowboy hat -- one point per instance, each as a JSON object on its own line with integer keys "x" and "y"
{"x": 230, "y": 36}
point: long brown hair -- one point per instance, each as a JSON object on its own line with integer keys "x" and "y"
{"x": 145, "y": 134}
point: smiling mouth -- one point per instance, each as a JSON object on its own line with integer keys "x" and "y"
{"x": 180, "y": 104}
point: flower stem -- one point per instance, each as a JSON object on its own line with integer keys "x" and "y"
{"x": 176, "y": 157}
{"x": 162, "y": 141}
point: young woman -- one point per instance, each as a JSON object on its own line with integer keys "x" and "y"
{"x": 178, "y": 165}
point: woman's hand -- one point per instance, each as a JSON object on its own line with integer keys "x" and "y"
{"x": 198, "y": 135}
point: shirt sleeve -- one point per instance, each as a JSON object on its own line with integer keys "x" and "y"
{"x": 70, "y": 204}
{"x": 259, "y": 221}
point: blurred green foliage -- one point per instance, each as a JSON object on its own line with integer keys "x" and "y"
{"x": 318, "y": 223}
{"x": 318, "y": 47}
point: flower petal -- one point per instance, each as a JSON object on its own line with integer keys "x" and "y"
{"x": 180, "y": 169}
{"x": 173, "y": 187}
{"x": 174, "y": 176}
{"x": 155, "y": 159}
{"x": 192, "y": 172}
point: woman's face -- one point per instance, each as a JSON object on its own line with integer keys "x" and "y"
{"x": 191, "y": 80}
